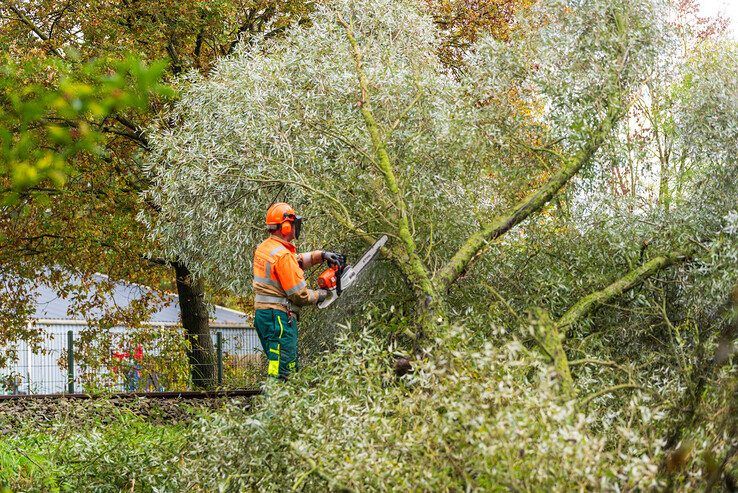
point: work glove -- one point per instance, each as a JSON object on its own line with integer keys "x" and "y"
{"x": 332, "y": 258}
{"x": 322, "y": 294}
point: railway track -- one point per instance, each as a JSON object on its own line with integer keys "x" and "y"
{"x": 42, "y": 411}
{"x": 208, "y": 394}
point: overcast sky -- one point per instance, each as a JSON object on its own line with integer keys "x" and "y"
{"x": 727, "y": 7}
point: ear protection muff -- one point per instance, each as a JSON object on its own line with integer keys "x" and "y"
{"x": 294, "y": 225}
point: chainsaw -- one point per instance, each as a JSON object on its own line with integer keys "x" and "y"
{"x": 340, "y": 276}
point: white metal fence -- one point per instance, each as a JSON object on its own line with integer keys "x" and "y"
{"x": 46, "y": 371}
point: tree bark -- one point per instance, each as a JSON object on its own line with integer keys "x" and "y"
{"x": 194, "y": 313}
{"x": 550, "y": 339}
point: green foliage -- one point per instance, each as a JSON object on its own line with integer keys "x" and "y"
{"x": 469, "y": 416}
{"x": 127, "y": 454}
{"x": 299, "y": 112}
{"x": 24, "y": 465}
{"x": 243, "y": 371}
{"x": 290, "y": 113}
{"x": 44, "y": 127}
{"x": 115, "y": 458}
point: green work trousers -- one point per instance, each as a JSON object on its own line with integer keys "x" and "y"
{"x": 278, "y": 336}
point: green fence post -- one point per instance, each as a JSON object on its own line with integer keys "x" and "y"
{"x": 70, "y": 362}
{"x": 219, "y": 353}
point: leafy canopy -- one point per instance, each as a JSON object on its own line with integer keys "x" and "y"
{"x": 286, "y": 115}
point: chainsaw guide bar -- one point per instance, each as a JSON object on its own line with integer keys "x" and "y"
{"x": 351, "y": 272}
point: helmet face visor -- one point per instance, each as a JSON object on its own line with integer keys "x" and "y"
{"x": 297, "y": 224}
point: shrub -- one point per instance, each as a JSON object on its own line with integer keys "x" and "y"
{"x": 466, "y": 417}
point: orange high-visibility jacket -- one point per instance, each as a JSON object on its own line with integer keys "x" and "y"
{"x": 279, "y": 280}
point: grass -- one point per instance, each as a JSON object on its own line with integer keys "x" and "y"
{"x": 123, "y": 452}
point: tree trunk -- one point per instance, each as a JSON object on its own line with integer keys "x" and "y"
{"x": 430, "y": 310}
{"x": 430, "y": 314}
{"x": 194, "y": 313}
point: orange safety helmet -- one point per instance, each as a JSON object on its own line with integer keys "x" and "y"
{"x": 283, "y": 214}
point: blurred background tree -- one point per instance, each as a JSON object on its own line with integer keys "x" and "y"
{"x": 462, "y": 22}
{"x": 81, "y": 82}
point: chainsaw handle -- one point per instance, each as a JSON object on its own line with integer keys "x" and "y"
{"x": 340, "y": 263}
{"x": 334, "y": 259}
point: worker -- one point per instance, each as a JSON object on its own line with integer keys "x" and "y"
{"x": 280, "y": 288}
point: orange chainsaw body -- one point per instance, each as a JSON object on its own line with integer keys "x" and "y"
{"x": 329, "y": 278}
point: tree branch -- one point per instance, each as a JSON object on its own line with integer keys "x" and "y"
{"x": 249, "y": 24}
{"x": 550, "y": 339}
{"x": 172, "y": 52}
{"x": 157, "y": 261}
{"x": 407, "y": 110}
{"x": 609, "y": 390}
{"x": 533, "y": 203}
{"x": 414, "y": 268}
{"x": 28, "y": 22}
{"x": 630, "y": 280}
{"x": 598, "y": 362}
{"x": 138, "y": 139}
{"x": 140, "y": 133}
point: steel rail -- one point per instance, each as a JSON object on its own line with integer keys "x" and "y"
{"x": 206, "y": 394}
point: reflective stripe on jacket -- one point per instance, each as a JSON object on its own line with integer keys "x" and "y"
{"x": 308, "y": 259}
{"x": 279, "y": 282}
